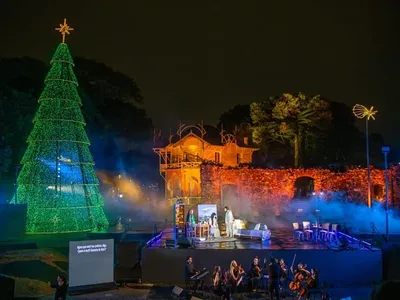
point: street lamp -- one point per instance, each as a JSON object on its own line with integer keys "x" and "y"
{"x": 361, "y": 112}
{"x": 385, "y": 151}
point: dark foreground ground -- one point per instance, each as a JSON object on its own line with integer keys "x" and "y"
{"x": 150, "y": 292}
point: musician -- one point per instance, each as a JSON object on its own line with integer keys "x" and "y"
{"x": 274, "y": 279}
{"x": 311, "y": 284}
{"x": 300, "y": 275}
{"x": 254, "y": 274}
{"x": 313, "y": 281}
{"x": 217, "y": 277}
{"x": 189, "y": 270}
{"x": 219, "y": 285}
{"x": 235, "y": 273}
{"x": 301, "y": 269}
{"x": 284, "y": 275}
{"x": 264, "y": 274}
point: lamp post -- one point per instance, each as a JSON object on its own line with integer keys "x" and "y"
{"x": 361, "y": 112}
{"x": 385, "y": 151}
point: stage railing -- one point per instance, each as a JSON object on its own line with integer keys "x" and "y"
{"x": 188, "y": 200}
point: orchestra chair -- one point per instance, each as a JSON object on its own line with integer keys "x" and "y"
{"x": 308, "y": 232}
{"x": 332, "y": 235}
{"x": 297, "y": 233}
{"x": 323, "y": 233}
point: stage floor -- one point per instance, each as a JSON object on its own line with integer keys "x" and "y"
{"x": 281, "y": 239}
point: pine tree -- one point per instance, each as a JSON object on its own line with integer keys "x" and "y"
{"x": 57, "y": 181}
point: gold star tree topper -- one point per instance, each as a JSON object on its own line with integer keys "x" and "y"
{"x": 64, "y": 29}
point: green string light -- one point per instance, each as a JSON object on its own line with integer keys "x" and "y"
{"x": 57, "y": 181}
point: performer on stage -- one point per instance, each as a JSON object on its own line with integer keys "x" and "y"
{"x": 190, "y": 218}
{"x": 213, "y": 222}
{"x": 228, "y": 222}
{"x": 190, "y": 222}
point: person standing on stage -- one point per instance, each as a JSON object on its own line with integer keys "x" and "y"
{"x": 190, "y": 222}
{"x": 190, "y": 218}
{"x": 213, "y": 222}
{"x": 228, "y": 222}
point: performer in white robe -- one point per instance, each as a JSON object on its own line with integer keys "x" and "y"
{"x": 228, "y": 222}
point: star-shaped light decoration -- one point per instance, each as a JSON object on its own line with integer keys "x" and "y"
{"x": 55, "y": 220}
{"x": 64, "y": 29}
{"x": 360, "y": 111}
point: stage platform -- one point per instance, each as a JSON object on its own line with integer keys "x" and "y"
{"x": 354, "y": 264}
{"x": 281, "y": 239}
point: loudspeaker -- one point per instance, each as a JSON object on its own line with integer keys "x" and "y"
{"x": 7, "y": 287}
{"x": 179, "y": 293}
{"x": 127, "y": 254}
{"x": 185, "y": 242}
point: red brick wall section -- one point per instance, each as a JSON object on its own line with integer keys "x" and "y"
{"x": 262, "y": 186}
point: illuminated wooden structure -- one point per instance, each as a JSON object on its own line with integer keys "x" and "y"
{"x": 181, "y": 158}
{"x": 179, "y": 220}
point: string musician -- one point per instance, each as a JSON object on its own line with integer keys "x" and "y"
{"x": 219, "y": 284}
{"x": 236, "y": 273}
{"x": 300, "y": 276}
{"x": 311, "y": 283}
{"x": 284, "y": 275}
{"x": 254, "y": 274}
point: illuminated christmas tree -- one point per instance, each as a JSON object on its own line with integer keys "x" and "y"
{"x": 57, "y": 181}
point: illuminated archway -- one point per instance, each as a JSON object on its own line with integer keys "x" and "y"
{"x": 230, "y": 196}
{"x": 303, "y": 187}
{"x": 174, "y": 186}
{"x": 194, "y": 187}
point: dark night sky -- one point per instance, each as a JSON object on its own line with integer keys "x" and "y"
{"x": 194, "y": 61}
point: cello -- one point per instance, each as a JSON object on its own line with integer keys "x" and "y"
{"x": 296, "y": 283}
{"x": 299, "y": 277}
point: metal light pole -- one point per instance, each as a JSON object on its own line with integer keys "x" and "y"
{"x": 385, "y": 151}
{"x": 362, "y": 112}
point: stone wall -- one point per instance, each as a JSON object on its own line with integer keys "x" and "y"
{"x": 267, "y": 186}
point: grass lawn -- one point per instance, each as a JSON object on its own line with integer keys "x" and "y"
{"x": 32, "y": 269}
